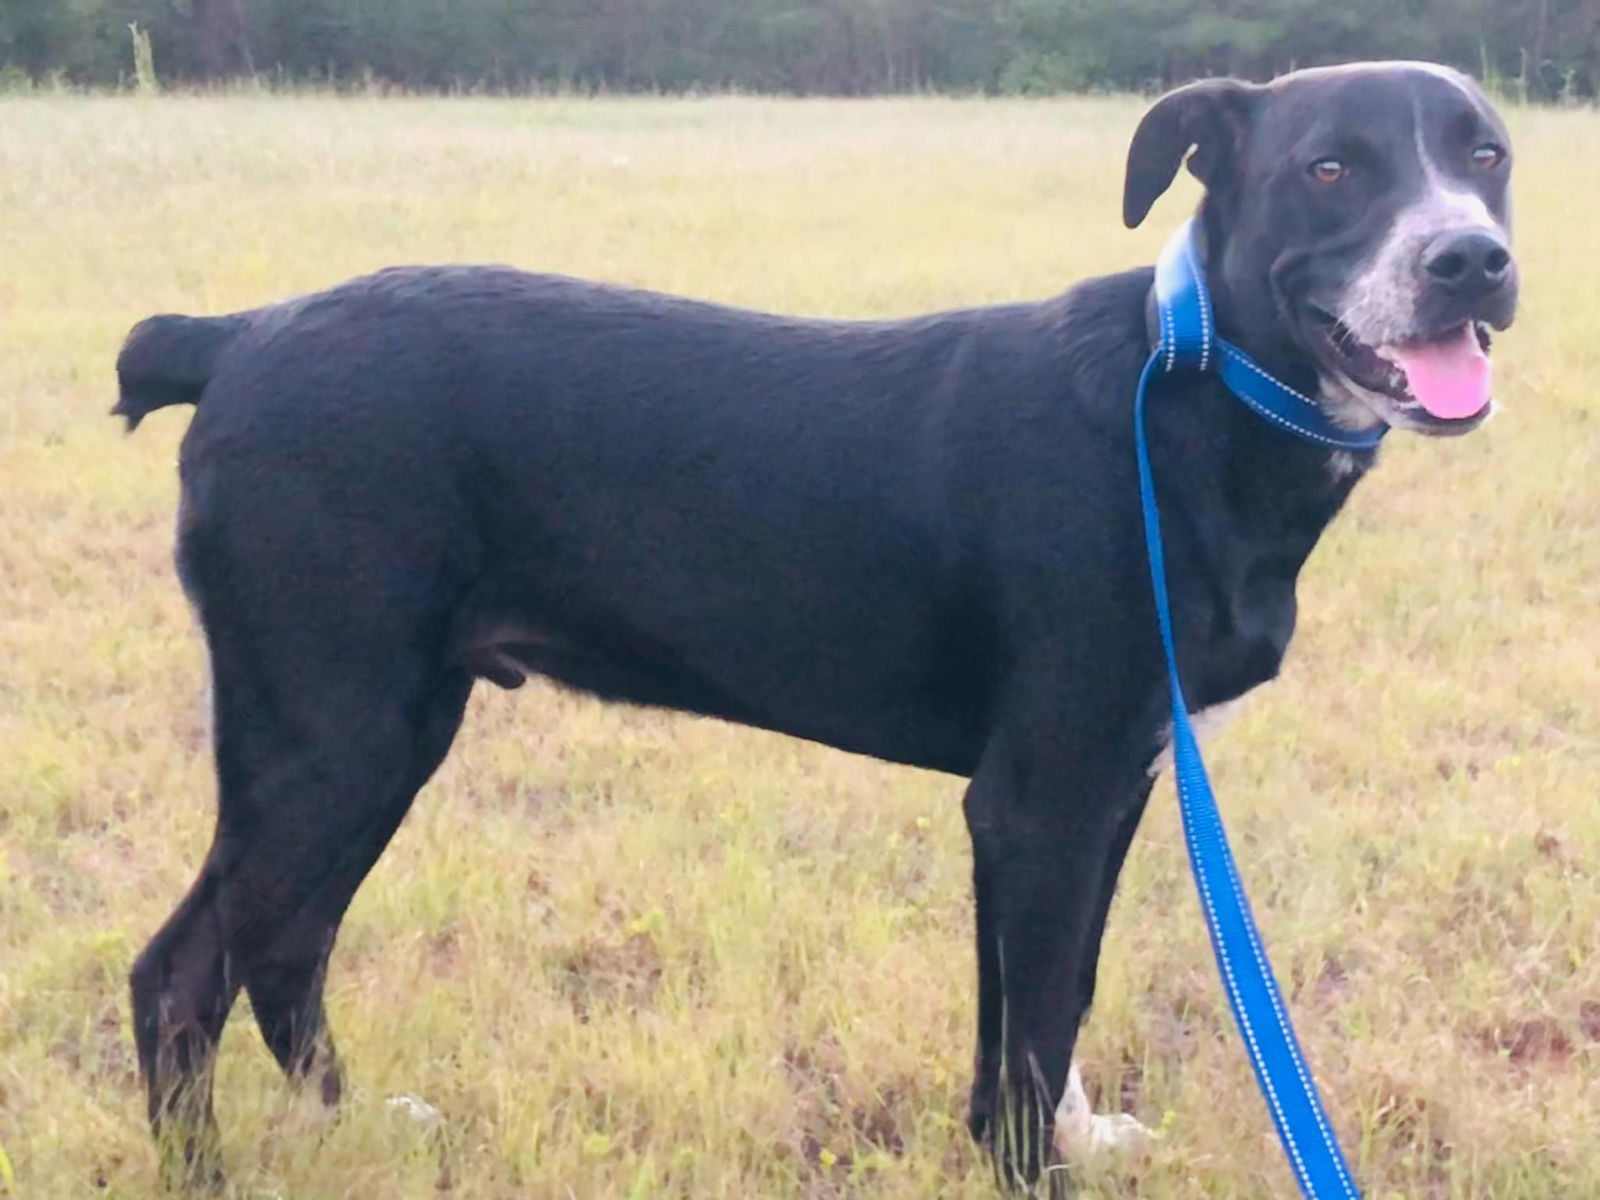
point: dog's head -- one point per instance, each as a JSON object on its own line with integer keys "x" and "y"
{"x": 1356, "y": 225}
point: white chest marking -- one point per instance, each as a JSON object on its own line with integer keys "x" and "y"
{"x": 1204, "y": 723}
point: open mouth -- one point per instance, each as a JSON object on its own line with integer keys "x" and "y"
{"x": 1441, "y": 377}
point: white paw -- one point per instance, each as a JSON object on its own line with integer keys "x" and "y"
{"x": 1081, "y": 1134}
{"x": 422, "y": 1114}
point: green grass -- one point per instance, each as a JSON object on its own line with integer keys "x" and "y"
{"x": 627, "y": 954}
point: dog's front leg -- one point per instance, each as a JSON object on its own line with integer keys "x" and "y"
{"x": 1046, "y": 849}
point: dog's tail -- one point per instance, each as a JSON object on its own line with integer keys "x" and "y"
{"x": 169, "y": 360}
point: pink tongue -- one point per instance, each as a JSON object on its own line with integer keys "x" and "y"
{"x": 1451, "y": 378}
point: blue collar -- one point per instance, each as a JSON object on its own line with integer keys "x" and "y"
{"x": 1188, "y": 342}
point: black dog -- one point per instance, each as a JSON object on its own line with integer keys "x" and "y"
{"x": 918, "y": 540}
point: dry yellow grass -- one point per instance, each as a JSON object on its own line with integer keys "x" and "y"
{"x": 627, "y": 954}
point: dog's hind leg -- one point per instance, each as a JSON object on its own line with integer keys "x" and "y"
{"x": 335, "y": 699}
{"x": 306, "y": 807}
{"x": 283, "y": 970}
{"x": 182, "y": 988}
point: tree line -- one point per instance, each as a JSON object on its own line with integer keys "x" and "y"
{"x": 1542, "y": 49}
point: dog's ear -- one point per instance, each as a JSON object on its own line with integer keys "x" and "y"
{"x": 1211, "y": 117}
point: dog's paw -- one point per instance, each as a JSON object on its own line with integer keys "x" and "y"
{"x": 422, "y": 1114}
{"x": 1118, "y": 1133}
{"x": 1081, "y": 1134}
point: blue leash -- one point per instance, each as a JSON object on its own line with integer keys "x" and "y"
{"x": 1188, "y": 342}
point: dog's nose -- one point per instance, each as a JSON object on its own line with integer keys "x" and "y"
{"x": 1467, "y": 264}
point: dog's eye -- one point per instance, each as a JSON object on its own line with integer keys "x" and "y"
{"x": 1328, "y": 170}
{"x": 1488, "y": 156}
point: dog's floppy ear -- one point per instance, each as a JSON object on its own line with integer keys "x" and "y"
{"x": 1211, "y": 117}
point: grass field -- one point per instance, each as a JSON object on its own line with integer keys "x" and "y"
{"x": 627, "y": 954}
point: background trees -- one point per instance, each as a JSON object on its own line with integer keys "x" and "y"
{"x": 1548, "y": 48}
